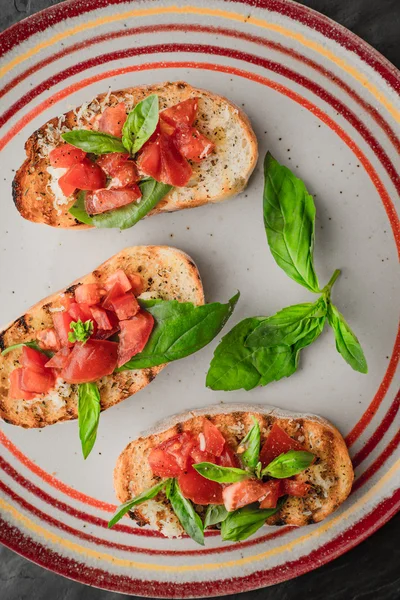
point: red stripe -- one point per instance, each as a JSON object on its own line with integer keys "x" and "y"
{"x": 151, "y": 29}
{"x": 376, "y": 465}
{"x": 14, "y": 539}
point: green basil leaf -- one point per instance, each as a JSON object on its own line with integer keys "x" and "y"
{"x": 78, "y": 209}
{"x": 289, "y": 218}
{"x": 140, "y": 124}
{"x": 288, "y": 464}
{"x": 80, "y": 331}
{"x": 242, "y": 523}
{"x": 251, "y": 443}
{"x": 181, "y": 328}
{"x": 95, "y": 142}
{"x": 221, "y": 474}
{"x": 346, "y": 342}
{"x": 288, "y": 326}
{"x": 183, "y": 508}
{"x": 215, "y": 513}
{"x": 235, "y": 366}
{"x": 126, "y": 216}
{"x": 88, "y": 415}
{"x": 33, "y": 345}
{"x": 127, "y": 506}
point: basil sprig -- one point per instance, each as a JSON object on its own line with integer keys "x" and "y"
{"x": 88, "y": 415}
{"x": 221, "y": 474}
{"x": 80, "y": 331}
{"x": 242, "y": 523}
{"x": 251, "y": 444}
{"x": 143, "y": 497}
{"x": 346, "y": 342}
{"x": 140, "y": 124}
{"x": 215, "y": 514}
{"x": 180, "y": 329}
{"x": 33, "y": 345}
{"x": 288, "y": 464}
{"x": 184, "y": 510}
{"x": 95, "y": 142}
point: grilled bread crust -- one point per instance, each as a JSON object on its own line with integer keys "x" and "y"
{"x": 331, "y": 475}
{"x": 222, "y": 174}
{"x": 167, "y": 273}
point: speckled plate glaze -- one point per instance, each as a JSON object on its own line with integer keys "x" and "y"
{"x": 327, "y": 105}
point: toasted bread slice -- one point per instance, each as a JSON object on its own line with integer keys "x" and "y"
{"x": 167, "y": 273}
{"x": 222, "y": 174}
{"x": 331, "y": 475}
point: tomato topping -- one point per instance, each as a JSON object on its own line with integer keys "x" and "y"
{"x": 192, "y": 144}
{"x": 163, "y": 464}
{"x": 67, "y": 188}
{"x": 87, "y": 293}
{"x": 112, "y": 163}
{"x": 215, "y": 441}
{"x": 278, "y": 442}
{"x": 60, "y": 359}
{"x": 228, "y": 458}
{"x": 199, "y": 489}
{"x": 272, "y": 492}
{"x": 102, "y": 334}
{"x": 80, "y": 311}
{"x": 202, "y": 455}
{"x": 113, "y": 119}
{"x": 134, "y": 336}
{"x": 114, "y": 292}
{"x": 101, "y": 317}
{"x": 126, "y": 177}
{"x": 149, "y": 158}
{"x": 162, "y": 161}
{"x": 103, "y": 200}
{"x": 137, "y": 283}
{"x": 171, "y": 457}
{"x": 48, "y": 339}
{"x": 242, "y": 493}
{"x": 84, "y": 176}
{"x": 118, "y": 277}
{"x": 62, "y": 322}
{"x": 33, "y": 359}
{"x": 125, "y": 306}
{"x": 184, "y": 112}
{"x": 65, "y": 156}
{"x": 292, "y": 487}
{"x": 36, "y": 381}
{"x": 90, "y": 361}
{"x": 15, "y": 391}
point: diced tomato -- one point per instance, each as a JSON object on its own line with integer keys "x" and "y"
{"x": 84, "y": 176}
{"x": 15, "y": 391}
{"x": 215, "y": 441}
{"x": 126, "y": 177}
{"x": 65, "y": 156}
{"x": 80, "y": 311}
{"x": 36, "y": 381}
{"x": 202, "y": 455}
{"x": 65, "y": 186}
{"x": 164, "y": 127}
{"x": 118, "y": 277}
{"x": 272, "y": 492}
{"x": 278, "y": 442}
{"x": 90, "y": 361}
{"x": 149, "y": 158}
{"x": 228, "y": 458}
{"x": 87, "y": 293}
{"x": 113, "y": 119}
{"x": 162, "y": 161}
{"x": 292, "y": 487}
{"x": 125, "y": 306}
{"x": 60, "y": 359}
{"x": 114, "y": 292}
{"x": 118, "y": 166}
{"x": 103, "y": 200}
{"x": 48, "y": 339}
{"x": 184, "y": 112}
{"x": 111, "y": 163}
{"x": 171, "y": 457}
{"x": 242, "y": 493}
{"x": 62, "y": 321}
{"x": 137, "y": 283}
{"x": 101, "y": 317}
{"x": 134, "y": 336}
{"x": 33, "y": 359}
{"x": 199, "y": 489}
{"x": 163, "y": 464}
{"x": 102, "y": 334}
{"x": 192, "y": 144}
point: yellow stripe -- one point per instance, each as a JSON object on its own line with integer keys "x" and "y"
{"x": 303, "y": 40}
{"x": 121, "y": 562}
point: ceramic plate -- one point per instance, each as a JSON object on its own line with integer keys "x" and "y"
{"x": 324, "y": 103}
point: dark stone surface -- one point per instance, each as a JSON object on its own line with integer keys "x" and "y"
{"x": 368, "y": 572}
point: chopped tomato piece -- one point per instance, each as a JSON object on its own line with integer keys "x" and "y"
{"x": 192, "y": 144}
{"x": 102, "y": 334}
{"x": 84, "y": 176}
{"x": 80, "y": 311}
{"x": 90, "y": 361}
{"x": 163, "y": 464}
{"x": 242, "y": 493}
{"x": 272, "y": 491}
{"x": 149, "y": 158}
{"x": 215, "y": 441}
{"x": 137, "y": 283}
{"x": 184, "y": 112}
{"x": 101, "y": 317}
{"x": 125, "y": 177}
{"x": 292, "y": 487}
{"x": 36, "y": 381}
{"x": 202, "y": 455}
{"x": 161, "y": 160}
{"x": 111, "y": 163}
{"x": 228, "y": 458}
{"x": 171, "y": 457}
{"x": 199, "y": 489}
{"x": 278, "y": 442}
{"x": 65, "y": 156}
{"x": 114, "y": 292}
{"x": 103, "y": 200}
{"x": 125, "y": 306}
{"x": 60, "y": 359}
{"x": 66, "y": 187}
{"x": 118, "y": 277}
{"x": 16, "y": 392}
{"x": 113, "y": 119}
{"x": 48, "y": 339}
{"x": 134, "y": 336}
{"x": 87, "y": 293}
{"x": 62, "y": 321}
{"x": 33, "y": 359}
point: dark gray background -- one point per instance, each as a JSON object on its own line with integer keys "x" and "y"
{"x": 371, "y": 571}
